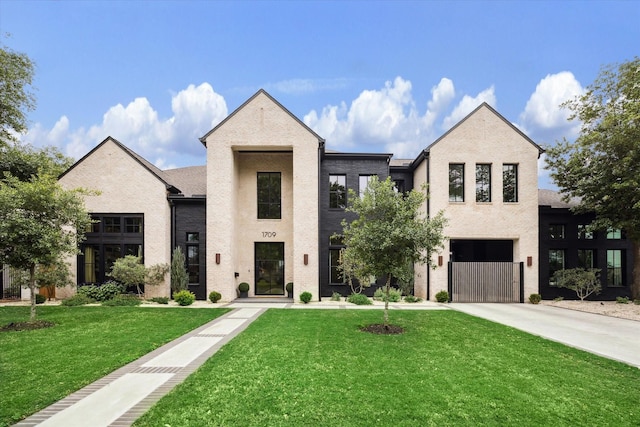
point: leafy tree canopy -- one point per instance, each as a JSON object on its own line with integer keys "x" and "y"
{"x": 602, "y": 166}
{"x": 390, "y": 233}
{"x": 16, "y": 75}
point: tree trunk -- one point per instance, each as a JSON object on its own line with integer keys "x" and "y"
{"x": 32, "y": 288}
{"x": 386, "y": 302}
{"x": 635, "y": 280}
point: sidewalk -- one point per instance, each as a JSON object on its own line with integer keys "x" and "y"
{"x": 124, "y": 395}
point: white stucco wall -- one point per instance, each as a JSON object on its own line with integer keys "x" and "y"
{"x": 485, "y": 138}
{"x": 125, "y": 186}
{"x": 261, "y": 125}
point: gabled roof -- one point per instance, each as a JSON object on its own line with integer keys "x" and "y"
{"x": 203, "y": 139}
{"x": 485, "y": 105}
{"x": 138, "y": 158}
{"x": 555, "y": 200}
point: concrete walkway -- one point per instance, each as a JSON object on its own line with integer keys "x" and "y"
{"x": 610, "y": 337}
{"x": 124, "y": 395}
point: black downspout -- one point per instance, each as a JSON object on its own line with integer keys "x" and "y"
{"x": 320, "y": 155}
{"x": 426, "y": 156}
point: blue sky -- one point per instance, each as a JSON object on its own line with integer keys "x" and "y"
{"x": 366, "y": 76}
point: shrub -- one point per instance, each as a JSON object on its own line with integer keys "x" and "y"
{"x": 123, "y": 300}
{"x": 411, "y": 298}
{"x": 78, "y": 299}
{"x": 184, "y": 297}
{"x": 243, "y": 287}
{"x": 305, "y": 297}
{"x": 359, "y": 299}
{"x": 179, "y": 275}
{"x": 535, "y": 298}
{"x": 582, "y": 282}
{"x": 636, "y": 301}
{"x": 557, "y": 299}
{"x": 104, "y": 292}
{"x": 214, "y": 296}
{"x": 336, "y": 296}
{"x": 395, "y": 295}
{"x": 40, "y": 299}
{"x": 442, "y": 296}
{"x": 619, "y": 300}
{"x": 289, "y": 287}
{"x": 160, "y": 300}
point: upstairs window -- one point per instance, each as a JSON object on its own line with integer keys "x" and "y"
{"x": 510, "y": 183}
{"x": 614, "y": 234}
{"x": 337, "y": 191}
{"x": 584, "y": 232}
{"x": 483, "y": 183}
{"x": 556, "y": 231}
{"x": 269, "y": 195}
{"x": 363, "y": 183}
{"x": 456, "y": 182}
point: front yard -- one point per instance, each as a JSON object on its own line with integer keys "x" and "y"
{"x": 314, "y": 367}
{"x": 39, "y": 367}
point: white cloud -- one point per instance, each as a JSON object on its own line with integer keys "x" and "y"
{"x": 467, "y": 105}
{"x": 196, "y": 110}
{"x": 542, "y": 116}
{"x": 388, "y": 119}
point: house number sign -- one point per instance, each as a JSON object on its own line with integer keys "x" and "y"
{"x": 268, "y": 234}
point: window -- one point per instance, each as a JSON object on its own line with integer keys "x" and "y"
{"x": 456, "y": 182}
{"x": 193, "y": 257}
{"x": 586, "y": 258}
{"x": 363, "y": 183}
{"x": 269, "y": 195}
{"x": 111, "y": 236}
{"x": 483, "y": 183}
{"x": 269, "y": 270}
{"x": 584, "y": 232}
{"x": 337, "y": 191}
{"x": 614, "y": 234}
{"x": 399, "y": 186}
{"x": 111, "y": 224}
{"x": 335, "y": 246}
{"x": 510, "y": 183}
{"x": 614, "y": 267}
{"x": 556, "y": 231}
{"x": 556, "y": 263}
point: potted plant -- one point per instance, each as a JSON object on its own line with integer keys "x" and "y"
{"x": 243, "y": 289}
{"x": 289, "y": 288}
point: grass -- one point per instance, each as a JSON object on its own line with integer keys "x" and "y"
{"x": 39, "y": 367}
{"x": 314, "y": 367}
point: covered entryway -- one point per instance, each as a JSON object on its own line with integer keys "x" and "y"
{"x": 484, "y": 271}
{"x": 269, "y": 258}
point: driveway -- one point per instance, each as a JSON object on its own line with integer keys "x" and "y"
{"x": 614, "y": 338}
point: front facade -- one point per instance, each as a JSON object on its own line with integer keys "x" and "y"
{"x": 267, "y": 209}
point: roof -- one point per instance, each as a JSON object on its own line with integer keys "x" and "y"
{"x": 554, "y": 199}
{"x": 191, "y": 180}
{"x": 203, "y": 139}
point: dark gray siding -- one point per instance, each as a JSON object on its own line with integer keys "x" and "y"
{"x": 190, "y": 217}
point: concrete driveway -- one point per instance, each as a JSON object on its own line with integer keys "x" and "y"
{"x": 617, "y": 339}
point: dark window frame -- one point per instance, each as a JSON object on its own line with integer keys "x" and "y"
{"x": 456, "y": 182}
{"x": 269, "y": 198}
{"x": 337, "y": 191}
{"x": 483, "y": 182}
{"x": 510, "y": 189}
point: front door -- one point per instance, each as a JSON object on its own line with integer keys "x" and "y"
{"x": 269, "y": 268}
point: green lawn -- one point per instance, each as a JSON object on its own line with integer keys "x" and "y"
{"x": 314, "y": 367}
{"x": 42, "y": 366}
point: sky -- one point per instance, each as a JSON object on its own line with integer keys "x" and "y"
{"x": 367, "y": 76}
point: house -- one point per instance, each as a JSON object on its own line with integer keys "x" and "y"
{"x": 267, "y": 207}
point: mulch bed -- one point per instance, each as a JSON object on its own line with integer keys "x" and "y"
{"x": 26, "y": 326}
{"x": 380, "y": 329}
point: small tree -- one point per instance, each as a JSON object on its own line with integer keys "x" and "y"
{"x": 131, "y": 272}
{"x": 40, "y": 222}
{"x": 52, "y": 276}
{"x": 390, "y": 234}
{"x": 179, "y": 275}
{"x": 583, "y": 282}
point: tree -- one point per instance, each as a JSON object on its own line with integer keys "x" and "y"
{"x": 16, "y": 74}
{"x": 601, "y": 168}
{"x": 130, "y": 271}
{"x": 390, "y": 234}
{"x": 583, "y": 282}
{"x": 40, "y": 222}
{"x": 52, "y": 276}
{"x": 24, "y": 161}
{"x": 179, "y": 275}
